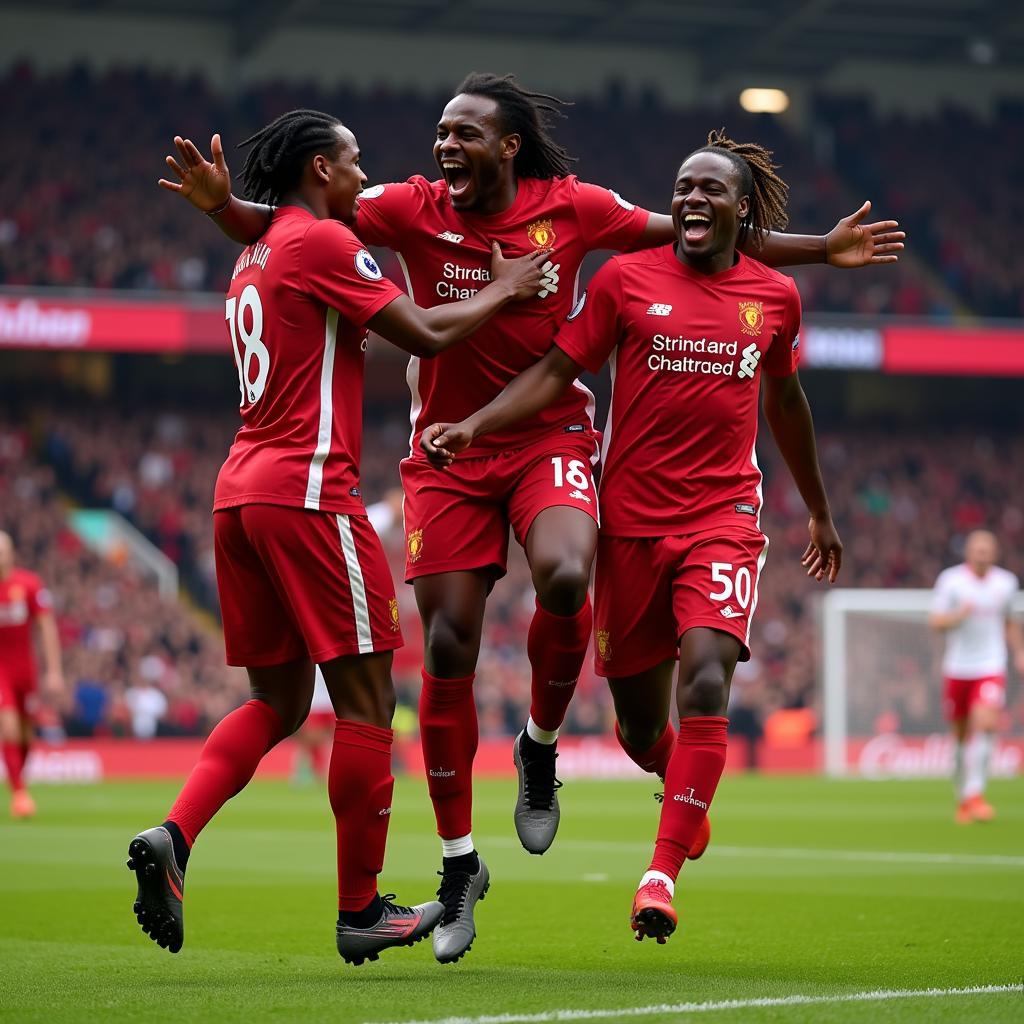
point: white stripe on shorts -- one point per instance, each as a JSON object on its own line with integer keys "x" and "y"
{"x": 355, "y": 581}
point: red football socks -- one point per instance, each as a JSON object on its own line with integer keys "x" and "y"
{"x": 226, "y": 764}
{"x": 653, "y": 759}
{"x": 693, "y": 773}
{"x": 556, "y": 645}
{"x": 360, "y": 785}
{"x": 449, "y": 734}
{"x": 14, "y": 763}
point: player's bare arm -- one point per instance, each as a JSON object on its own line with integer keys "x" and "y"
{"x": 943, "y": 621}
{"x": 206, "y": 185}
{"x": 525, "y": 395}
{"x": 53, "y": 676}
{"x": 850, "y": 244}
{"x": 427, "y": 332}
{"x": 789, "y": 418}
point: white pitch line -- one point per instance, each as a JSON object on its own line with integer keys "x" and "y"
{"x": 876, "y": 995}
{"x": 793, "y": 853}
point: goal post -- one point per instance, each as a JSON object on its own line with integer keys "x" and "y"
{"x": 882, "y": 687}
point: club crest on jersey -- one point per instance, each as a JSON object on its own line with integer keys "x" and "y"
{"x": 541, "y": 234}
{"x": 604, "y": 644}
{"x": 393, "y": 612}
{"x": 415, "y": 545}
{"x": 752, "y": 318}
{"x": 367, "y": 267}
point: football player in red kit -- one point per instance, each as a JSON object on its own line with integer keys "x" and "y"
{"x": 301, "y": 575}
{"x": 504, "y": 176}
{"x": 24, "y": 600}
{"x": 692, "y": 330}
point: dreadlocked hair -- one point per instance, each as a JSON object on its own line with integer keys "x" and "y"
{"x": 528, "y": 115}
{"x": 273, "y": 167}
{"x": 767, "y": 191}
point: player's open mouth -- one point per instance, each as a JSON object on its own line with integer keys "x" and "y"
{"x": 457, "y": 176}
{"x": 696, "y": 227}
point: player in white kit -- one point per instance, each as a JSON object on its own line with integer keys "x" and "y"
{"x": 971, "y": 605}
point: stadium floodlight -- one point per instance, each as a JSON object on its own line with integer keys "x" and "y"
{"x": 764, "y": 101}
{"x": 882, "y": 694}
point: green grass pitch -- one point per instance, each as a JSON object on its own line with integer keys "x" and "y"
{"x": 810, "y": 888}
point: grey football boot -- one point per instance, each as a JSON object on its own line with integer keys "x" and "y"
{"x": 536, "y": 813}
{"x": 459, "y": 892}
{"x": 398, "y": 926}
{"x": 158, "y": 905}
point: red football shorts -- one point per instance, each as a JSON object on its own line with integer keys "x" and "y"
{"x": 457, "y": 518}
{"x": 17, "y": 692}
{"x": 296, "y": 582}
{"x": 960, "y": 695}
{"x": 648, "y": 591}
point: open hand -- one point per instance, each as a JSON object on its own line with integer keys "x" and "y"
{"x": 853, "y": 244}
{"x": 525, "y": 275}
{"x": 824, "y": 554}
{"x": 441, "y": 442}
{"x": 204, "y": 184}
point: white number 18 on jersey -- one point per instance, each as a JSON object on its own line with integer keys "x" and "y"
{"x": 251, "y": 389}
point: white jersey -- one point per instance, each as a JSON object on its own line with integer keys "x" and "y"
{"x": 977, "y": 646}
{"x": 321, "y": 698}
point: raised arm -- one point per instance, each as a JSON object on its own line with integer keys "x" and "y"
{"x": 207, "y": 186}
{"x": 525, "y": 395}
{"x": 426, "y": 332}
{"x": 789, "y": 418}
{"x": 848, "y": 245}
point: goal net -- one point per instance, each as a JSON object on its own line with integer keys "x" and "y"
{"x": 882, "y": 694}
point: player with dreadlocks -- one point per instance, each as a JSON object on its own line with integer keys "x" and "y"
{"x": 301, "y": 575}
{"x": 690, "y": 328}
{"x": 504, "y": 177}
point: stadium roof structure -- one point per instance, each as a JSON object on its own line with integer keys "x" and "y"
{"x": 798, "y": 36}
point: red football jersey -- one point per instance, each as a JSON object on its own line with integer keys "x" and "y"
{"x": 687, "y": 351}
{"x": 22, "y": 598}
{"x": 296, "y": 311}
{"x": 446, "y": 256}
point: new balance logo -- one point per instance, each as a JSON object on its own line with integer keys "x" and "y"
{"x": 748, "y": 365}
{"x": 689, "y": 798}
{"x": 384, "y": 813}
{"x": 580, "y": 496}
{"x": 441, "y": 773}
{"x": 450, "y": 236}
{"x": 729, "y": 612}
{"x": 659, "y": 309}
{"x": 549, "y": 282}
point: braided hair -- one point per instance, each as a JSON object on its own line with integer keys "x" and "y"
{"x": 528, "y": 115}
{"x": 767, "y": 191}
{"x": 273, "y": 167}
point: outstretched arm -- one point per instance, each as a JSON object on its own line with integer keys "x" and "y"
{"x": 207, "y": 186}
{"x": 525, "y": 395}
{"x": 848, "y": 245}
{"x": 789, "y": 417}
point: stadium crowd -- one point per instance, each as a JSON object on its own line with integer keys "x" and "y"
{"x": 896, "y": 496}
{"x": 81, "y": 208}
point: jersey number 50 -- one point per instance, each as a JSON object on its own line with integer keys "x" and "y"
{"x": 251, "y": 388}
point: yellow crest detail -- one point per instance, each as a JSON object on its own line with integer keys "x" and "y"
{"x": 415, "y": 545}
{"x": 393, "y": 610}
{"x": 541, "y": 234}
{"x": 604, "y": 644}
{"x": 752, "y": 318}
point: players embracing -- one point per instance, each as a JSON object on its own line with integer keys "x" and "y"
{"x": 694, "y": 331}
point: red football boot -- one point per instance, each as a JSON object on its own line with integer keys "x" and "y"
{"x": 653, "y": 915}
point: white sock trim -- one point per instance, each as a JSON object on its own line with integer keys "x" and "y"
{"x": 539, "y": 735}
{"x": 658, "y": 876}
{"x": 457, "y": 847}
{"x": 979, "y": 753}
